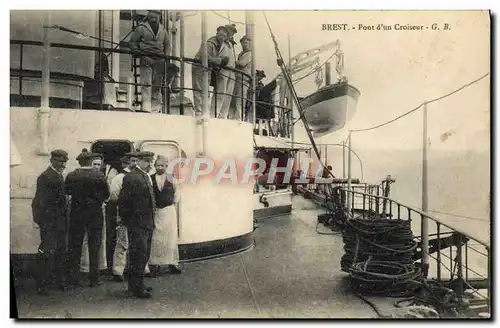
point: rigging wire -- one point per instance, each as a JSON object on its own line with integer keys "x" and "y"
{"x": 314, "y": 70}
{"x": 228, "y": 18}
{"x": 344, "y": 146}
{"x": 292, "y": 89}
{"x": 459, "y": 216}
{"x": 426, "y": 102}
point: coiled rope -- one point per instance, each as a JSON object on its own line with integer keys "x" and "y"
{"x": 379, "y": 257}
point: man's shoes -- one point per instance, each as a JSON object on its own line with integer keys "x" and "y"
{"x": 145, "y": 288}
{"x": 139, "y": 294}
{"x": 117, "y": 278}
{"x": 42, "y": 291}
{"x": 174, "y": 269}
{"x": 95, "y": 283}
{"x": 75, "y": 283}
{"x": 142, "y": 294}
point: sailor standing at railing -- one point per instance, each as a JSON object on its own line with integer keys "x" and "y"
{"x": 216, "y": 60}
{"x": 244, "y": 63}
{"x": 149, "y": 39}
{"x": 226, "y": 78}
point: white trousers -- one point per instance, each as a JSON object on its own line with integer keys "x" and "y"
{"x": 225, "y": 88}
{"x": 239, "y": 100}
{"x": 154, "y": 75}
{"x": 120, "y": 255}
{"x": 197, "y": 82}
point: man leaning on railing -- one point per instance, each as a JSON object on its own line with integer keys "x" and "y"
{"x": 216, "y": 60}
{"x": 225, "y": 79}
{"x": 151, "y": 41}
{"x": 243, "y": 63}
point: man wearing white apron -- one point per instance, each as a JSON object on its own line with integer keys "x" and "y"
{"x": 164, "y": 250}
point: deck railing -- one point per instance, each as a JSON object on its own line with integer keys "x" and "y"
{"x": 22, "y": 73}
{"x": 456, "y": 258}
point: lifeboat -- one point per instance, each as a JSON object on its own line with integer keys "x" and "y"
{"x": 330, "y": 108}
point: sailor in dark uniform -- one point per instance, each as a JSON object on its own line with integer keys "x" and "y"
{"x": 88, "y": 190}
{"x": 50, "y": 213}
{"x": 136, "y": 202}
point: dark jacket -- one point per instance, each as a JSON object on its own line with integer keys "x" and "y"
{"x": 166, "y": 196}
{"x": 264, "y": 94}
{"x": 136, "y": 201}
{"x": 49, "y": 204}
{"x": 88, "y": 189}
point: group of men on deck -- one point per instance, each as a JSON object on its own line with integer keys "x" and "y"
{"x": 151, "y": 42}
{"x": 145, "y": 220}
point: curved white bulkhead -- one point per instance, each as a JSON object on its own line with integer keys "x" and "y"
{"x": 207, "y": 211}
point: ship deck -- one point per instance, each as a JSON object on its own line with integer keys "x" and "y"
{"x": 292, "y": 272}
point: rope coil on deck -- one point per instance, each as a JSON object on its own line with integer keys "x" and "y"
{"x": 385, "y": 278}
{"x": 379, "y": 256}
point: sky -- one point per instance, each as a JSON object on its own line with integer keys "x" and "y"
{"x": 395, "y": 71}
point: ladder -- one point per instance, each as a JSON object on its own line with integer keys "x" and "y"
{"x": 136, "y": 21}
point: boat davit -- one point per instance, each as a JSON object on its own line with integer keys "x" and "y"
{"x": 328, "y": 109}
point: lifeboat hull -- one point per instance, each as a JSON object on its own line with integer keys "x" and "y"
{"x": 330, "y": 108}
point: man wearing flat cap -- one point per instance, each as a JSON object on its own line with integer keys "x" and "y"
{"x": 119, "y": 258}
{"x": 136, "y": 206}
{"x": 244, "y": 64}
{"x": 263, "y": 94}
{"x": 216, "y": 60}
{"x": 88, "y": 190}
{"x": 150, "y": 39}
{"x": 49, "y": 212}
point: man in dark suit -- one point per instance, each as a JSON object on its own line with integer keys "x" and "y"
{"x": 136, "y": 203}
{"x": 88, "y": 190}
{"x": 50, "y": 213}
